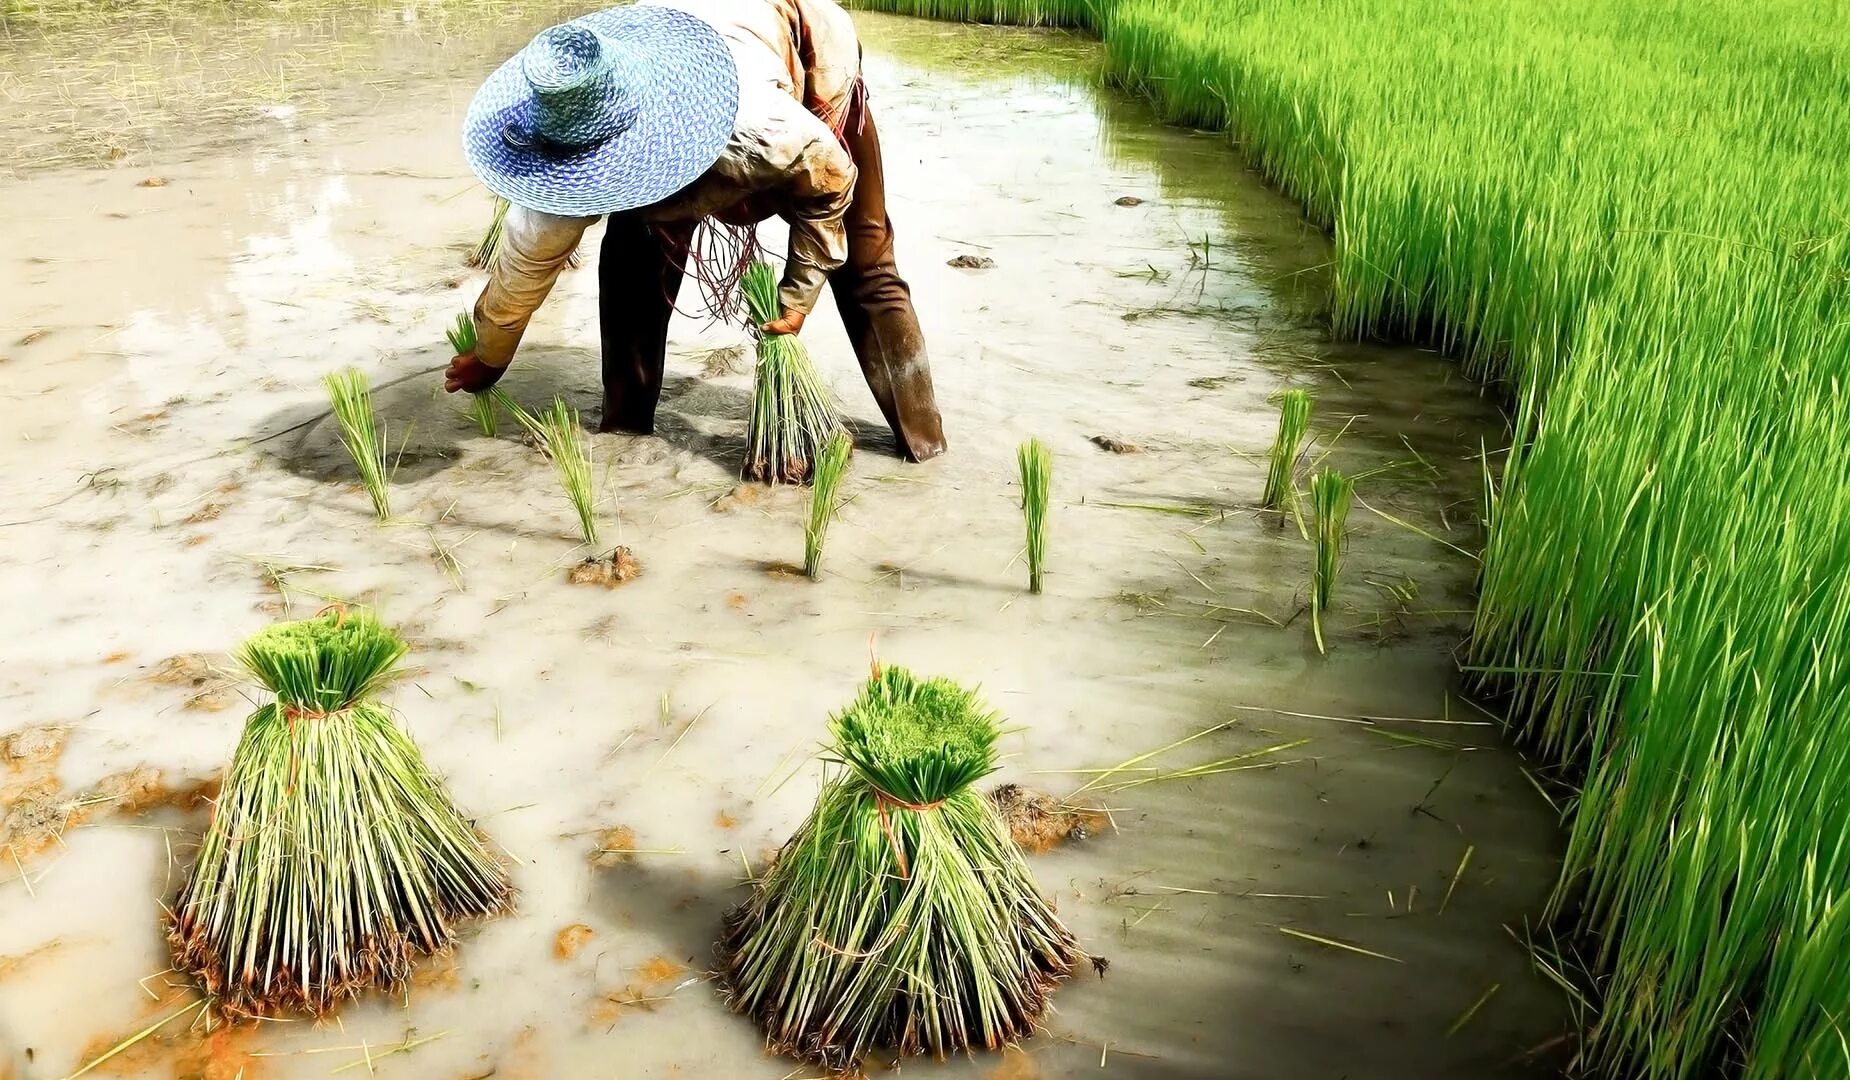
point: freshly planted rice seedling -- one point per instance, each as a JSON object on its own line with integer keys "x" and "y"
{"x": 825, "y": 499}
{"x": 901, "y": 914}
{"x": 1293, "y": 422}
{"x": 333, "y": 857}
{"x": 564, "y": 440}
{"x": 1330, "y": 495}
{"x": 793, "y": 413}
{"x": 1036, "y": 463}
{"x": 352, "y": 402}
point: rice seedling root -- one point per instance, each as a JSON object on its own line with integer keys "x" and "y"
{"x": 901, "y": 914}
{"x": 620, "y": 567}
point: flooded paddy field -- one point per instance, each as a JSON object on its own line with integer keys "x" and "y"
{"x": 208, "y": 214}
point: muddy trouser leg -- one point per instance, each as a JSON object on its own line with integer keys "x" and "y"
{"x": 876, "y": 306}
{"x": 639, "y": 273}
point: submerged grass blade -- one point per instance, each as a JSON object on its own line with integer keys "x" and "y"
{"x": 1330, "y": 496}
{"x": 352, "y": 402}
{"x": 825, "y": 499}
{"x": 1036, "y": 466}
{"x": 1287, "y": 445}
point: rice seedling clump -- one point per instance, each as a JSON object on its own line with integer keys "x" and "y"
{"x": 824, "y": 500}
{"x": 1330, "y": 495}
{"x": 901, "y": 914}
{"x": 1036, "y": 464}
{"x": 351, "y": 399}
{"x": 334, "y": 856}
{"x": 1293, "y": 421}
{"x": 793, "y": 413}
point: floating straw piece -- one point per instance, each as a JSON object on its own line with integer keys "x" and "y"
{"x": 334, "y": 856}
{"x": 352, "y": 402}
{"x": 1330, "y": 495}
{"x": 824, "y": 499}
{"x": 793, "y": 413}
{"x": 1036, "y": 463}
{"x": 901, "y": 914}
{"x": 1293, "y": 421}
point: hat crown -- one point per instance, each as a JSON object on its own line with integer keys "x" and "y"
{"x": 586, "y": 87}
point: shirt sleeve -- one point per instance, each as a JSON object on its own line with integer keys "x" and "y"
{"x": 534, "y": 249}
{"x": 818, "y": 189}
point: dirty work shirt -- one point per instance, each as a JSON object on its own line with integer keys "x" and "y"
{"x": 799, "y": 61}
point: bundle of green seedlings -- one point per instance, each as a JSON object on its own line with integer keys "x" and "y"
{"x": 793, "y": 413}
{"x": 482, "y": 405}
{"x": 901, "y": 914}
{"x": 824, "y": 499}
{"x": 1293, "y": 422}
{"x": 1330, "y": 495}
{"x": 334, "y": 857}
{"x": 352, "y": 403}
{"x": 562, "y": 438}
{"x": 486, "y": 252}
{"x": 1036, "y": 464}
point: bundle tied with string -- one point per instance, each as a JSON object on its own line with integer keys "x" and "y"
{"x": 334, "y": 857}
{"x": 901, "y": 914}
{"x": 793, "y": 413}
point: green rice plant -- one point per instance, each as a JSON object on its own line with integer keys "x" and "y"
{"x": 793, "y": 413}
{"x": 1036, "y": 464}
{"x": 352, "y": 402}
{"x": 1330, "y": 495}
{"x": 1665, "y": 587}
{"x": 824, "y": 499}
{"x": 333, "y": 857}
{"x": 1293, "y": 423}
{"x": 901, "y": 914}
{"x": 563, "y": 439}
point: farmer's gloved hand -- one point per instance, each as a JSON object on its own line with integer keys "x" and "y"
{"x": 791, "y": 323}
{"x": 468, "y": 373}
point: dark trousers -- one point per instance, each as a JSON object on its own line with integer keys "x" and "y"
{"x": 639, "y": 275}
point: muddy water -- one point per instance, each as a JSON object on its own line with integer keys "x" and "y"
{"x": 168, "y": 488}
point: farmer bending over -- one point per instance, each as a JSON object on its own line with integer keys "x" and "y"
{"x": 669, "y": 113}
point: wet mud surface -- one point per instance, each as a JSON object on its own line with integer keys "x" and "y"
{"x": 1322, "y": 882}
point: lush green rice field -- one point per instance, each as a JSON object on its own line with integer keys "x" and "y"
{"x": 1638, "y": 213}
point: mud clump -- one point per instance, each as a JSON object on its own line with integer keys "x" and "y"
{"x": 742, "y": 497}
{"x": 1039, "y": 822}
{"x": 618, "y": 568}
{"x": 1128, "y": 200}
{"x": 568, "y": 941}
{"x": 34, "y": 748}
{"x": 211, "y": 689}
{"x": 644, "y": 991}
{"x": 615, "y": 847}
{"x": 727, "y": 361}
{"x": 183, "y": 1049}
{"x": 972, "y": 262}
{"x": 1115, "y": 446}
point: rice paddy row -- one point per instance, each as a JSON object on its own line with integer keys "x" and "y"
{"x": 1635, "y": 214}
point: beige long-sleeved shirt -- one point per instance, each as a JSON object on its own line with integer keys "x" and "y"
{"x": 798, "y": 63}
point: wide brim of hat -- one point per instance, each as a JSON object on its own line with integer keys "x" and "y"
{"x": 685, "y": 117}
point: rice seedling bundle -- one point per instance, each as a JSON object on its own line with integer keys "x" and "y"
{"x": 1035, "y": 462}
{"x": 1330, "y": 495}
{"x": 352, "y": 402}
{"x": 481, "y": 405}
{"x": 333, "y": 857}
{"x": 1633, "y": 213}
{"x": 901, "y": 914}
{"x": 486, "y": 252}
{"x": 793, "y": 413}
{"x": 1293, "y": 422}
{"x": 824, "y": 499}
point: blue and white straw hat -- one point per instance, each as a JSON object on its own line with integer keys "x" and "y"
{"x": 609, "y": 112}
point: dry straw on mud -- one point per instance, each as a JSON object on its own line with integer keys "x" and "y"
{"x": 901, "y": 914}
{"x": 1330, "y": 495}
{"x": 793, "y": 413}
{"x": 352, "y": 402}
{"x": 825, "y": 499}
{"x": 1293, "y": 422}
{"x": 334, "y": 857}
{"x": 1036, "y": 466}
